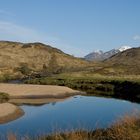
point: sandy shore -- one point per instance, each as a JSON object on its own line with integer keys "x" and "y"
{"x": 30, "y": 94}
{"x": 9, "y": 112}
{"x": 37, "y": 91}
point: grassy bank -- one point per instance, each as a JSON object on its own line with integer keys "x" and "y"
{"x": 126, "y": 87}
{"x": 127, "y": 128}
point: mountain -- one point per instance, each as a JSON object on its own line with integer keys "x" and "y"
{"x": 20, "y": 59}
{"x": 100, "y": 55}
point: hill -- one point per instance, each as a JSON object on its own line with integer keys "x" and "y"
{"x": 19, "y": 59}
{"x": 128, "y": 57}
{"x": 126, "y": 62}
{"x": 36, "y": 59}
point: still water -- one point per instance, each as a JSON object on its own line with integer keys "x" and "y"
{"x": 75, "y": 112}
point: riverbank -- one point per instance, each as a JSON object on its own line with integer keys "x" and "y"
{"x": 28, "y": 91}
{"x": 9, "y": 112}
{"x": 122, "y": 87}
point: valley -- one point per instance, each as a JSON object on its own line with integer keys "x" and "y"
{"x": 36, "y": 77}
{"x": 69, "y": 70}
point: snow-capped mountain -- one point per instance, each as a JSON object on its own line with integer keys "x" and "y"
{"x": 100, "y": 55}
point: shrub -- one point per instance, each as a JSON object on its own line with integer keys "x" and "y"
{"x": 4, "y": 97}
{"x": 24, "y": 70}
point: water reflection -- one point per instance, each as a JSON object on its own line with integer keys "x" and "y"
{"x": 75, "y": 112}
{"x": 37, "y": 102}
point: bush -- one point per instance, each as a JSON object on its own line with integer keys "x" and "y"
{"x": 24, "y": 69}
{"x": 4, "y": 97}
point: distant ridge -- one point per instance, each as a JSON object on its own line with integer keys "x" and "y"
{"x": 100, "y": 55}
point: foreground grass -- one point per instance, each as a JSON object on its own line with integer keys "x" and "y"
{"x": 127, "y": 128}
{"x": 126, "y": 87}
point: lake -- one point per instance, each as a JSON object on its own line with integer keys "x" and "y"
{"x": 75, "y": 112}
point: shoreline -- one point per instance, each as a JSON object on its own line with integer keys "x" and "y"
{"x": 32, "y": 95}
{"x": 127, "y": 88}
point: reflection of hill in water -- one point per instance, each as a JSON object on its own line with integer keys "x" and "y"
{"x": 10, "y": 112}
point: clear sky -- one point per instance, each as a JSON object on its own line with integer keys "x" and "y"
{"x": 75, "y": 26}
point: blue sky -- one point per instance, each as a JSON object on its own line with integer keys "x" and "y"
{"x": 75, "y": 26}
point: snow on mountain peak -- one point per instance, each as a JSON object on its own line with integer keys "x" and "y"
{"x": 123, "y": 48}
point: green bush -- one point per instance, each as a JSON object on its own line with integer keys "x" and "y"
{"x": 4, "y": 97}
{"x": 24, "y": 70}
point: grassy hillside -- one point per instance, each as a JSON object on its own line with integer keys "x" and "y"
{"x": 127, "y": 62}
{"x": 24, "y": 59}
{"x": 128, "y": 57}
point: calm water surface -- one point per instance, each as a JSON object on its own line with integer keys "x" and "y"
{"x": 75, "y": 112}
